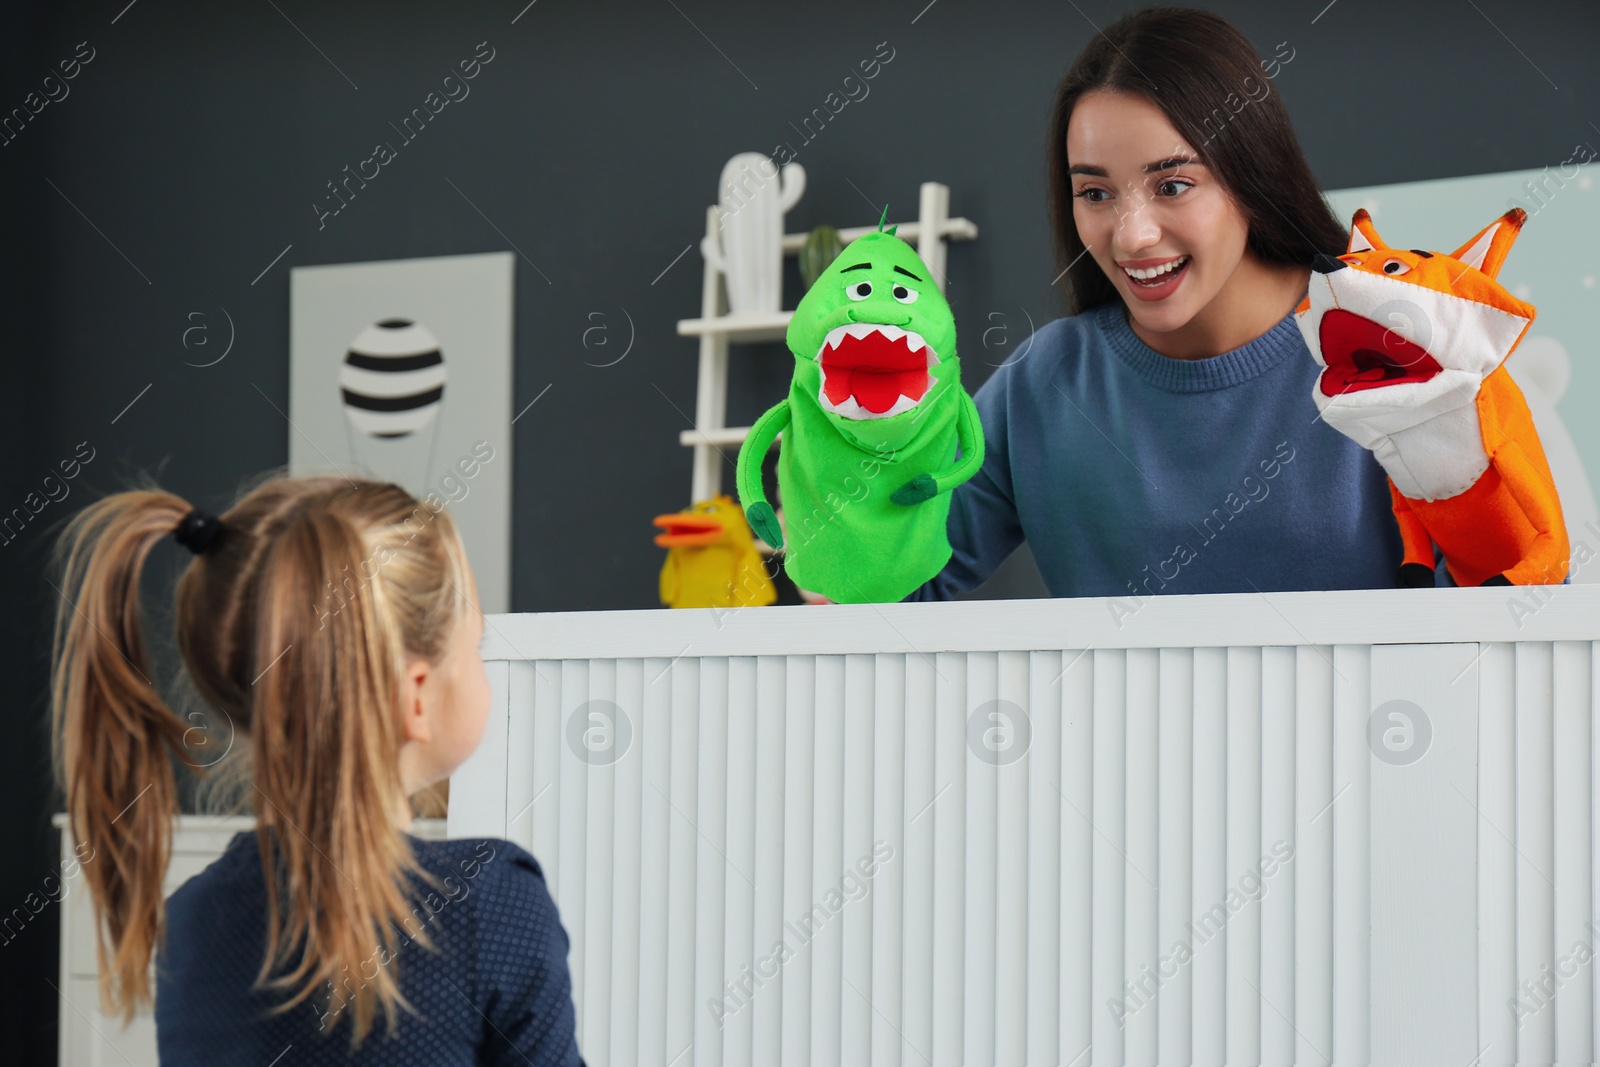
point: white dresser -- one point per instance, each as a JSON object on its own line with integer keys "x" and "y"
{"x": 87, "y": 1036}
{"x": 1349, "y": 827}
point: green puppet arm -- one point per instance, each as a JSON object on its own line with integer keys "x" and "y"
{"x": 969, "y": 432}
{"x": 763, "y": 520}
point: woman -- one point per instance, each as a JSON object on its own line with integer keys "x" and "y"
{"x": 1162, "y": 438}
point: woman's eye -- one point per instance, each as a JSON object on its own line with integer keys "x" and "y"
{"x": 1178, "y": 184}
{"x": 904, "y": 295}
{"x": 858, "y": 291}
{"x": 1394, "y": 266}
{"x": 1085, "y": 195}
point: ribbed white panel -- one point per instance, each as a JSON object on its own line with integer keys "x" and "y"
{"x": 1497, "y": 855}
{"x": 917, "y": 875}
{"x": 1538, "y": 888}
{"x": 1276, "y": 989}
{"x": 709, "y": 819}
{"x": 1209, "y": 871}
{"x": 1141, "y": 946}
{"x": 1042, "y": 924}
{"x": 568, "y": 885}
{"x": 683, "y": 847}
{"x": 1351, "y": 813}
{"x": 600, "y": 832}
{"x": 1079, "y": 841}
{"x": 800, "y": 686}
{"x": 888, "y": 840}
{"x": 655, "y": 869}
{"x": 1244, "y": 847}
{"x": 1109, "y": 867}
{"x": 1012, "y": 819}
{"x": 1313, "y": 855}
{"x": 1533, "y": 830}
{"x": 535, "y": 737}
{"x": 854, "y": 920}
{"x": 738, "y": 795}
{"x": 1175, "y": 860}
{"x": 771, "y": 733}
{"x": 827, "y": 863}
{"x": 1573, "y": 816}
{"x": 627, "y": 940}
{"x": 1195, "y": 858}
{"x": 981, "y": 677}
{"x": 951, "y": 760}
{"x": 1594, "y": 830}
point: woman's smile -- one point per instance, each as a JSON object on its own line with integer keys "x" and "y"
{"x": 1154, "y": 279}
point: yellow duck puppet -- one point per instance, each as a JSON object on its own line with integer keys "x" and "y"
{"x": 712, "y": 561}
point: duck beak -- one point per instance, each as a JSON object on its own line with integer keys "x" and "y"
{"x": 682, "y": 530}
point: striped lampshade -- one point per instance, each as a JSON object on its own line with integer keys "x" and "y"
{"x": 392, "y": 379}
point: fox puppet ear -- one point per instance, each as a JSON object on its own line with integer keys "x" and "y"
{"x": 1363, "y": 235}
{"x": 1488, "y": 250}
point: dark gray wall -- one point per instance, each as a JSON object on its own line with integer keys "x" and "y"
{"x": 28, "y": 953}
{"x": 192, "y": 148}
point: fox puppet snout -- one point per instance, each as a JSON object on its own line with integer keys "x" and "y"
{"x": 1412, "y": 346}
{"x": 1420, "y": 327}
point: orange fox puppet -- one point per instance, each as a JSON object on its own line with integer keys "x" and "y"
{"x": 1414, "y": 345}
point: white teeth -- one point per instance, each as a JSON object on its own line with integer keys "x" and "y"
{"x": 858, "y": 330}
{"x": 1144, "y": 274}
{"x": 852, "y": 409}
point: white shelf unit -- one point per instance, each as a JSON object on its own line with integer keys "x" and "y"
{"x": 716, "y": 328}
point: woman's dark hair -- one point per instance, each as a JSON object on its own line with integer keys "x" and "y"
{"x": 1205, "y": 76}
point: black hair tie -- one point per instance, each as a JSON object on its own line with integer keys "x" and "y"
{"x": 198, "y": 530}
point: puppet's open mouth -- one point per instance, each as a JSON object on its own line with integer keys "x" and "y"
{"x": 872, "y": 370}
{"x": 681, "y": 530}
{"x": 1363, "y": 354}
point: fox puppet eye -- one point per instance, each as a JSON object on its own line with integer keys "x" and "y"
{"x": 1394, "y": 266}
{"x": 858, "y": 290}
{"x": 1352, "y": 259}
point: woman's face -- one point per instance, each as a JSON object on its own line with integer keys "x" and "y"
{"x": 1143, "y": 201}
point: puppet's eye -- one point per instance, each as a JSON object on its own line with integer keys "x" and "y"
{"x": 904, "y": 295}
{"x": 1394, "y": 266}
{"x": 1352, "y": 259}
{"x": 858, "y": 291}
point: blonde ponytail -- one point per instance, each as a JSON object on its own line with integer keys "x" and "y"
{"x": 327, "y": 781}
{"x": 112, "y": 735}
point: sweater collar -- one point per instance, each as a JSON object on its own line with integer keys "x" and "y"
{"x": 1241, "y": 364}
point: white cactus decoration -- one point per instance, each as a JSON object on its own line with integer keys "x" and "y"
{"x": 752, "y": 199}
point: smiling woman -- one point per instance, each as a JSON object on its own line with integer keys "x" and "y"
{"x": 1183, "y": 248}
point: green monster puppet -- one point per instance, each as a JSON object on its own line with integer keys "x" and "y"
{"x": 870, "y": 428}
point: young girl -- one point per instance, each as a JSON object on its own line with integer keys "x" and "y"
{"x": 1162, "y": 437}
{"x": 335, "y": 625}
